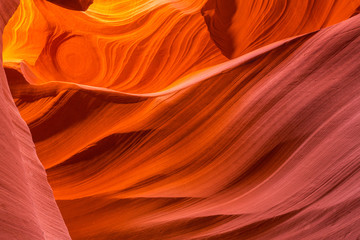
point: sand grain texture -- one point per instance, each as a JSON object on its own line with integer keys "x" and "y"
{"x": 27, "y": 206}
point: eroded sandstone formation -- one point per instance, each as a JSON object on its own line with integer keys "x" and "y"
{"x": 27, "y": 205}
{"x": 147, "y": 131}
{"x": 239, "y": 26}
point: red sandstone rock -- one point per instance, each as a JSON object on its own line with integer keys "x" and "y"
{"x": 147, "y": 132}
{"x": 27, "y": 205}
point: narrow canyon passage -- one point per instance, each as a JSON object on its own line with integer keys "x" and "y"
{"x": 180, "y": 119}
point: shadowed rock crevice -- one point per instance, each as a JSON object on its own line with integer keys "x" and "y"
{"x": 79, "y": 5}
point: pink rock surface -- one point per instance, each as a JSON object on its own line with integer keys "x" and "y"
{"x": 27, "y": 206}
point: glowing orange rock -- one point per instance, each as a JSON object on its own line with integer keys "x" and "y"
{"x": 136, "y": 47}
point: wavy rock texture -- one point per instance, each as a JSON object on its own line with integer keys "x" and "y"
{"x": 136, "y": 47}
{"x": 239, "y": 26}
{"x": 147, "y": 131}
{"x": 27, "y": 206}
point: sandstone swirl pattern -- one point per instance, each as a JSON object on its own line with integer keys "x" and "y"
{"x": 147, "y": 131}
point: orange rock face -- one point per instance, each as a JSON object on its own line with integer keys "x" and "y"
{"x": 147, "y": 131}
{"x": 134, "y": 47}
